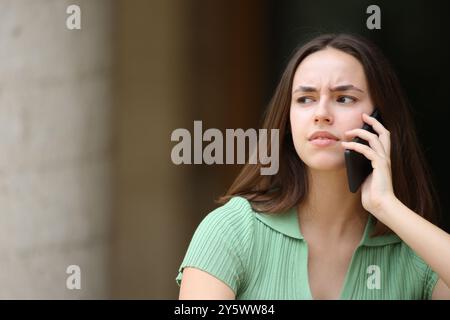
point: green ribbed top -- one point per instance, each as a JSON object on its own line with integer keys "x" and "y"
{"x": 262, "y": 256}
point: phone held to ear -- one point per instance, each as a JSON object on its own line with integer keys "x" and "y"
{"x": 358, "y": 166}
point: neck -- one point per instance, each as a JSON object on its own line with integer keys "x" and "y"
{"x": 330, "y": 206}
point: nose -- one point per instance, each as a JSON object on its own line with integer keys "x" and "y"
{"x": 322, "y": 113}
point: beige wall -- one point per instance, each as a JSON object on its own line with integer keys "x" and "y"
{"x": 150, "y": 195}
{"x": 55, "y": 148}
{"x": 177, "y": 61}
{"x": 86, "y": 117}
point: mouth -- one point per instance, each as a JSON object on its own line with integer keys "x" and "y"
{"x": 323, "y": 142}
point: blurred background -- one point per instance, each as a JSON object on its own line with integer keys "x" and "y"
{"x": 86, "y": 116}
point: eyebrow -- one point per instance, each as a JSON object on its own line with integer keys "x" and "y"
{"x": 344, "y": 87}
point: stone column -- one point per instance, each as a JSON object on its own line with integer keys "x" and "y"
{"x": 55, "y": 148}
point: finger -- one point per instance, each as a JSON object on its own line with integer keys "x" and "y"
{"x": 370, "y": 137}
{"x": 368, "y": 152}
{"x": 383, "y": 134}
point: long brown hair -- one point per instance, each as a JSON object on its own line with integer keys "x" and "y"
{"x": 411, "y": 178}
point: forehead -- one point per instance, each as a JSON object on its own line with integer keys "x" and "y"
{"x": 330, "y": 67}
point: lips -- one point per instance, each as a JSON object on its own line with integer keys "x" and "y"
{"x": 322, "y": 135}
{"x": 322, "y": 138}
{"x": 323, "y": 142}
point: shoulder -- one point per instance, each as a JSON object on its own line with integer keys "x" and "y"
{"x": 420, "y": 270}
{"x": 232, "y": 222}
{"x": 418, "y": 263}
{"x": 222, "y": 243}
{"x": 230, "y": 226}
{"x": 235, "y": 215}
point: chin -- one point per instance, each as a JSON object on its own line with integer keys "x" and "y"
{"x": 326, "y": 167}
{"x": 325, "y": 164}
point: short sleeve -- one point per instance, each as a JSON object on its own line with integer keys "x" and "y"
{"x": 221, "y": 243}
{"x": 427, "y": 276}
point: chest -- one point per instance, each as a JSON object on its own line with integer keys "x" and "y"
{"x": 327, "y": 269}
{"x": 300, "y": 270}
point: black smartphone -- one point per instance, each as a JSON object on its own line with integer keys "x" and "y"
{"x": 358, "y": 166}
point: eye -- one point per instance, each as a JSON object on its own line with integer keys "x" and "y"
{"x": 304, "y": 100}
{"x": 346, "y": 99}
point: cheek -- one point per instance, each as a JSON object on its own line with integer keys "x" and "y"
{"x": 354, "y": 122}
{"x": 353, "y": 119}
{"x": 299, "y": 118}
{"x": 298, "y": 126}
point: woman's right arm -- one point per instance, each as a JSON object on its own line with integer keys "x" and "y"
{"x": 200, "y": 285}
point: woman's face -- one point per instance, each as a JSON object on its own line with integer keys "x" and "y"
{"x": 329, "y": 94}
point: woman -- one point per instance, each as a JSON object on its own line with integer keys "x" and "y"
{"x": 301, "y": 234}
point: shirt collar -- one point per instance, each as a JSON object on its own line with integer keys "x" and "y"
{"x": 287, "y": 223}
